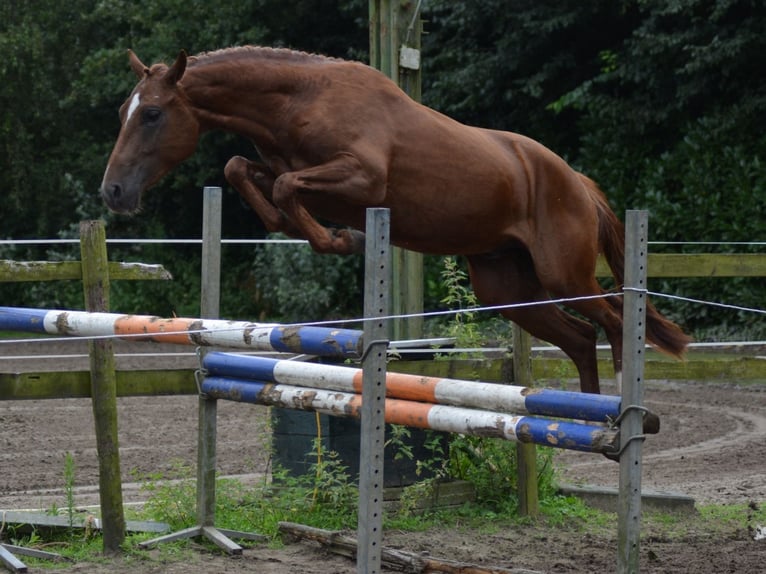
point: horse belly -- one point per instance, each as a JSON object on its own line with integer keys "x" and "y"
{"x": 455, "y": 219}
{"x": 457, "y": 207}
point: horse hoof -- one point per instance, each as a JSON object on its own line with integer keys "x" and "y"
{"x": 356, "y": 240}
{"x": 347, "y": 242}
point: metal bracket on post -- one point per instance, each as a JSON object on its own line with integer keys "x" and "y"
{"x": 631, "y": 427}
{"x": 208, "y": 407}
{"x": 372, "y": 442}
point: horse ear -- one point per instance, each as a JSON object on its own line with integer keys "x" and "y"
{"x": 137, "y": 66}
{"x": 176, "y": 71}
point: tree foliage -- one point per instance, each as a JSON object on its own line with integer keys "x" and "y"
{"x": 663, "y": 102}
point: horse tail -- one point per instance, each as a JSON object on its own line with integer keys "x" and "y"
{"x": 661, "y": 333}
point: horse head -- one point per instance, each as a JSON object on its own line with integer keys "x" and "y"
{"x": 159, "y": 130}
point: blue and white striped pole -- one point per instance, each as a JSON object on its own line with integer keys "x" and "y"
{"x": 198, "y": 332}
{"x": 471, "y": 394}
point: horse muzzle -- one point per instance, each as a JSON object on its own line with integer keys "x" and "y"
{"x": 120, "y": 199}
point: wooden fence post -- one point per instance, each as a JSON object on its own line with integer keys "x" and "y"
{"x": 95, "y": 281}
{"x": 395, "y": 37}
{"x": 526, "y": 453}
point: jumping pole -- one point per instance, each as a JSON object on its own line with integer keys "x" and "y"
{"x": 453, "y": 392}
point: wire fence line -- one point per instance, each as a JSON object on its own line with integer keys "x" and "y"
{"x": 194, "y": 241}
{"x": 361, "y": 320}
{"x": 427, "y": 314}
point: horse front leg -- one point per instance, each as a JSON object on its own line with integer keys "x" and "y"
{"x": 255, "y": 182}
{"x": 342, "y": 182}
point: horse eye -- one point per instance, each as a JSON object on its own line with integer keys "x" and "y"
{"x": 151, "y": 115}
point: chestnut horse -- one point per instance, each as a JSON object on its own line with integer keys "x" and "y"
{"x": 336, "y": 137}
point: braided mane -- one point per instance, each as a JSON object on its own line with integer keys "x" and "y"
{"x": 260, "y": 52}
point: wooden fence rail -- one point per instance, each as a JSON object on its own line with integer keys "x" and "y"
{"x": 23, "y": 271}
{"x": 678, "y": 265}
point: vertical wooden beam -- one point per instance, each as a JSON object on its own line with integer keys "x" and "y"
{"x": 394, "y": 25}
{"x": 631, "y": 428}
{"x": 526, "y": 453}
{"x": 373, "y": 427}
{"x": 95, "y": 280}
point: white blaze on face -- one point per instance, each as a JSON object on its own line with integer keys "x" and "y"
{"x": 133, "y": 106}
{"x": 134, "y": 103}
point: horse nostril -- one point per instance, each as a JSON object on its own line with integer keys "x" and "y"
{"x": 115, "y": 190}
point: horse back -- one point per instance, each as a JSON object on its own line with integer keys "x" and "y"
{"x": 451, "y": 188}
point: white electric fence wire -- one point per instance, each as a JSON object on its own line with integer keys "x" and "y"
{"x": 192, "y": 241}
{"x": 479, "y": 309}
{"x": 709, "y": 303}
{"x": 153, "y": 241}
{"x": 361, "y": 320}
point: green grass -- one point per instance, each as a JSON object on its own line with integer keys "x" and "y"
{"x": 259, "y": 508}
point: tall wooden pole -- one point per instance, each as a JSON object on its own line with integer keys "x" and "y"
{"x": 103, "y": 381}
{"x": 395, "y": 31}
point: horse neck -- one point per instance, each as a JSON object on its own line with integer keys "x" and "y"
{"x": 244, "y": 99}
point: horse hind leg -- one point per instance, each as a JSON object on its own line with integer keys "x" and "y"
{"x": 510, "y": 278}
{"x": 606, "y": 312}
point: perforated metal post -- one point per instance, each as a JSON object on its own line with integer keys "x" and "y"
{"x": 633, "y": 355}
{"x": 208, "y": 406}
{"x": 376, "y": 304}
{"x": 210, "y": 298}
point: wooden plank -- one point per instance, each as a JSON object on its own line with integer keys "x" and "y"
{"x": 699, "y": 366}
{"x": 18, "y": 271}
{"x": 76, "y": 384}
{"x": 38, "y": 519}
{"x": 660, "y": 265}
{"x": 440, "y": 495}
{"x": 394, "y": 559}
{"x": 695, "y": 368}
{"x": 12, "y": 563}
{"x": 699, "y": 265}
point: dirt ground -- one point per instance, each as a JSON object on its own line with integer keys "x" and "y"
{"x": 712, "y": 446}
